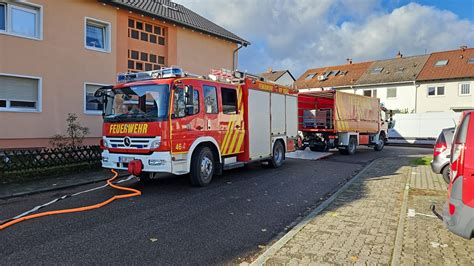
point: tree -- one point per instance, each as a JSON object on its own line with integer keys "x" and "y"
{"x": 75, "y": 134}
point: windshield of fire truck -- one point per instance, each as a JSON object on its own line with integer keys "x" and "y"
{"x": 138, "y": 103}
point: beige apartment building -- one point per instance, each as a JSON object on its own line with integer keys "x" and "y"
{"x": 55, "y": 54}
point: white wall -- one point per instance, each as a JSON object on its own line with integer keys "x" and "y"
{"x": 451, "y": 98}
{"x": 285, "y": 80}
{"x": 404, "y": 101}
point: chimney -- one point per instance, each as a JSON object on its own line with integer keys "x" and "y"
{"x": 399, "y": 55}
{"x": 349, "y": 61}
{"x": 463, "y": 47}
{"x": 270, "y": 70}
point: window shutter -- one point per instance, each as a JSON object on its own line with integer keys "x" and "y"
{"x": 20, "y": 89}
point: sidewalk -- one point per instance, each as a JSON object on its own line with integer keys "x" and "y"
{"x": 53, "y": 183}
{"x": 377, "y": 221}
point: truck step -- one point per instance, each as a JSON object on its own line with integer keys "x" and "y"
{"x": 233, "y": 165}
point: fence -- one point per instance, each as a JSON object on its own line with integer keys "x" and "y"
{"x": 40, "y": 159}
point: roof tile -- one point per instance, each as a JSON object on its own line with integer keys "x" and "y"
{"x": 457, "y": 67}
{"x": 176, "y": 13}
{"x": 348, "y": 75}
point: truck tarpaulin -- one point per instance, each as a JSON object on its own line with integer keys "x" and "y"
{"x": 356, "y": 113}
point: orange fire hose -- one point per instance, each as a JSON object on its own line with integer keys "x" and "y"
{"x": 80, "y": 209}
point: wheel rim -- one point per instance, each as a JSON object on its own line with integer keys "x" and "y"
{"x": 206, "y": 168}
{"x": 278, "y": 154}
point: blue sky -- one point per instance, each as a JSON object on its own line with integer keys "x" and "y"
{"x": 302, "y": 34}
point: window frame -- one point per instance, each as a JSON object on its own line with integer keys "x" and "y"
{"x": 460, "y": 89}
{"x": 39, "y": 100}
{"x": 441, "y": 62}
{"x": 107, "y": 37}
{"x": 172, "y": 111}
{"x": 396, "y": 94}
{"x": 90, "y": 112}
{"x": 436, "y": 90}
{"x": 25, "y": 6}
{"x": 204, "y": 98}
{"x": 236, "y": 100}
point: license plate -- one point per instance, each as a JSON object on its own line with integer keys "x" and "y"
{"x": 125, "y": 159}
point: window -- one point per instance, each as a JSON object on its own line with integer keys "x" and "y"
{"x": 436, "y": 91}
{"x": 19, "y": 93}
{"x": 161, "y": 41}
{"x": 20, "y": 19}
{"x": 210, "y": 100}
{"x": 392, "y": 93}
{"x": 370, "y": 93}
{"x": 470, "y": 60}
{"x": 310, "y": 76}
{"x": 441, "y": 63}
{"x": 92, "y": 105}
{"x": 464, "y": 89}
{"x": 2, "y": 18}
{"x": 376, "y": 70}
{"x": 97, "y": 35}
{"x": 183, "y": 105}
{"x": 229, "y": 101}
{"x": 138, "y": 61}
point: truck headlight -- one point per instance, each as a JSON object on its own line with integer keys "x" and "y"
{"x": 155, "y": 144}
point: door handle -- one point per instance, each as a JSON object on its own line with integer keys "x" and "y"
{"x": 199, "y": 127}
{"x": 237, "y": 126}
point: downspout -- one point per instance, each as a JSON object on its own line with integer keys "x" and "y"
{"x": 234, "y": 65}
{"x": 416, "y": 96}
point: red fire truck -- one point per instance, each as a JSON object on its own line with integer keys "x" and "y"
{"x": 170, "y": 121}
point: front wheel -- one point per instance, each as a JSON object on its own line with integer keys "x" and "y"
{"x": 379, "y": 146}
{"x": 445, "y": 174}
{"x": 202, "y": 167}
{"x": 278, "y": 155}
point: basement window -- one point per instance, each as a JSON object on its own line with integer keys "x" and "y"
{"x": 441, "y": 63}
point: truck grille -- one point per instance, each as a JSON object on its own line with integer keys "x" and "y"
{"x": 135, "y": 143}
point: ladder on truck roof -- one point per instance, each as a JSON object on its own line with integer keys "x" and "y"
{"x": 220, "y": 75}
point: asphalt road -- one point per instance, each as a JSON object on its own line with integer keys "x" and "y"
{"x": 173, "y": 223}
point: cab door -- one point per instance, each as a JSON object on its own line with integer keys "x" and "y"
{"x": 231, "y": 122}
{"x": 211, "y": 111}
{"x": 187, "y": 121}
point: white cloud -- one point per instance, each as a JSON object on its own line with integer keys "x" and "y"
{"x": 304, "y": 34}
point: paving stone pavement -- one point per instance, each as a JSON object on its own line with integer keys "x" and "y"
{"x": 425, "y": 239}
{"x": 360, "y": 226}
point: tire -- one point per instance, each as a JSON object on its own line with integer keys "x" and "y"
{"x": 379, "y": 146}
{"x": 202, "y": 167}
{"x": 351, "y": 149}
{"x": 445, "y": 173}
{"x": 278, "y": 155}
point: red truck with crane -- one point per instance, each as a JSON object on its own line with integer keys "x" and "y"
{"x": 334, "y": 119}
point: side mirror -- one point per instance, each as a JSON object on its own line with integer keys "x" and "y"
{"x": 189, "y": 93}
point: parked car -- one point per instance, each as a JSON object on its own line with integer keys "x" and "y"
{"x": 442, "y": 153}
{"x": 458, "y": 213}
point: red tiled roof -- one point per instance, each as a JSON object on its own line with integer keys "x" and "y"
{"x": 348, "y": 75}
{"x": 457, "y": 66}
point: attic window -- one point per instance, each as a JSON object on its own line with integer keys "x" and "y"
{"x": 377, "y": 70}
{"x": 441, "y": 63}
{"x": 310, "y": 76}
{"x": 470, "y": 60}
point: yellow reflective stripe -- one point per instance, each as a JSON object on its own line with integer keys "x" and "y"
{"x": 230, "y": 124}
{"x": 236, "y": 147}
